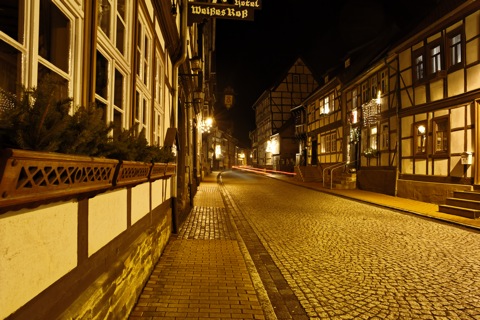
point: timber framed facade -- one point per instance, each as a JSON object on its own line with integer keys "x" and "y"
{"x": 273, "y": 112}
{"x": 406, "y": 121}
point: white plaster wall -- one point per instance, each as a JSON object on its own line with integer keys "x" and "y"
{"x": 160, "y": 192}
{"x": 37, "y": 247}
{"x": 420, "y": 95}
{"x": 407, "y": 166}
{"x": 441, "y": 167}
{"x": 457, "y": 144}
{"x": 457, "y": 119}
{"x": 473, "y": 78}
{"x": 107, "y": 218}
{"x": 140, "y": 201}
{"x": 436, "y": 90}
{"x": 456, "y": 83}
{"x": 420, "y": 166}
{"x": 472, "y": 51}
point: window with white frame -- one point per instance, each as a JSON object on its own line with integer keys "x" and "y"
{"x": 143, "y": 95}
{"x": 12, "y": 44}
{"x": 55, "y": 46}
{"x": 159, "y": 111}
{"x": 51, "y": 29}
{"x": 112, "y": 20}
{"x": 112, "y": 64}
{"x": 143, "y": 52}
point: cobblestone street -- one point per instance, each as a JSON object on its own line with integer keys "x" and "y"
{"x": 349, "y": 260}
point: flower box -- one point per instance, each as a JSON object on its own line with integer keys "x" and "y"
{"x": 130, "y": 173}
{"x": 170, "y": 170}
{"x": 31, "y": 178}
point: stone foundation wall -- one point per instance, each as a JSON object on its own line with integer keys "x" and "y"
{"x": 380, "y": 181}
{"x": 431, "y": 192}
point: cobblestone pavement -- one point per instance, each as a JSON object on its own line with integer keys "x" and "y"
{"x": 344, "y": 259}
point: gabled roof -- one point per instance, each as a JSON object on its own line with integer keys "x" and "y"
{"x": 298, "y": 60}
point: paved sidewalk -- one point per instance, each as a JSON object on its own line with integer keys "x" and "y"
{"x": 203, "y": 272}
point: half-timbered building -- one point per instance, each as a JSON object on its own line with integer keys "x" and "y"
{"x": 273, "y": 110}
{"x": 439, "y": 92}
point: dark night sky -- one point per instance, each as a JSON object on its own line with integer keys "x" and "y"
{"x": 252, "y": 55}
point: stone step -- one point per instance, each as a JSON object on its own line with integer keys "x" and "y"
{"x": 464, "y": 203}
{"x": 459, "y": 211}
{"x": 470, "y": 195}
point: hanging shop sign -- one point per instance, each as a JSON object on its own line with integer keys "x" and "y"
{"x": 239, "y": 10}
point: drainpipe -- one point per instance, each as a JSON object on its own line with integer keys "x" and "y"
{"x": 176, "y": 66}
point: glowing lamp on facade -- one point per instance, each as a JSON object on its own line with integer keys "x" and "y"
{"x": 218, "y": 150}
{"x": 379, "y": 93}
{"x": 421, "y": 129}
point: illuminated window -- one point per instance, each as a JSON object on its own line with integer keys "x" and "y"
{"x": 354, "y": 99}
{"x": 373, "y": 138}
{"x": 435, "y": 59}
{"x": 326, "y": 106}
{"x": 419, "y": 66}
{"x": 333, "y": 141}
{"x": 441, "y": 134}
{"x": 455, "y": 45}
{"x": 420, "y": 138}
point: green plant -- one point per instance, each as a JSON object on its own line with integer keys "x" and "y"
{"x": 37, "y": 120}
{"x": 33, "y": 119}
{"x": 86, "y": 133}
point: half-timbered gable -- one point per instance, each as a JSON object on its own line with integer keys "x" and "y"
{"x": 273, "y": 110}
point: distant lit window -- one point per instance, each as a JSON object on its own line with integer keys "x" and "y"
{"x": 455, "y": 49}
{"x": 420, "y": 137}
{"x": 418, "y": 66}
{"x": 326, "y": 106}
{"x": 365, "y": 92}
{"x": 333, "y": 142}
{"x": 354, "y": 99}
{"x": 383, "y": 81}
{"x": 435, "y": 59}
{"x": 441, "y": 134}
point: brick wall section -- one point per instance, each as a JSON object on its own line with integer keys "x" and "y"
{"x": 114, "y": 293}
